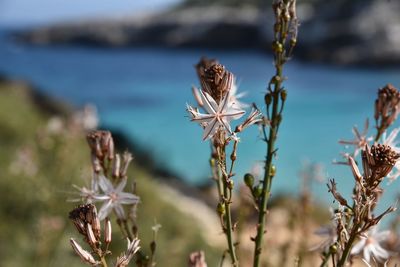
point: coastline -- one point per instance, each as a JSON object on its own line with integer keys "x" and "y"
{"x": 335, "y": 33}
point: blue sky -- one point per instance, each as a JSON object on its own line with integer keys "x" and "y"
{"x": 30, "y": 12}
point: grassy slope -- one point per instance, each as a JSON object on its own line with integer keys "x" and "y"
{"x": 34, "y": 228}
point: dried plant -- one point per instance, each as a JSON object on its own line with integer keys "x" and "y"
{"x": 357, "y": 220}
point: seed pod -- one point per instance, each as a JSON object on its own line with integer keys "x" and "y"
{"x": 221, "y": 208}
{"x": 249, "y": 180}
{"x": 268, "y": 99}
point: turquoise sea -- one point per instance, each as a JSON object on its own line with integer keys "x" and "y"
{"x": 143, "y": 91}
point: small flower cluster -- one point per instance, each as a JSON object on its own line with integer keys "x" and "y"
{"x": 108, "y": 182}
{"x": 219, "y": 100}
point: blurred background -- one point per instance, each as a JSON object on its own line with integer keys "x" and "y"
{"x": 128, "y": 66}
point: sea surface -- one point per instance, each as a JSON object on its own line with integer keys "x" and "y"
{"x": 143, "y": 91}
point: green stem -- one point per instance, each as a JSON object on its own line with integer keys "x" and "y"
{"x": 347, "y": 249}
{"x": 103, "y": 261}
{"x": 228, "y": 228}
{"x": 326, "y": 260}
{"x": 267, "y": 182}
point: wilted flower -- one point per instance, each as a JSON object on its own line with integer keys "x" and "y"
{"x": 254, "y": 117}
{"x": 114, "y": 198}
{"x": 83, "y": 254}
{"x": 370, "y": 246}
{"x": 124, "y": 259}
{"x": 219, "y": 115}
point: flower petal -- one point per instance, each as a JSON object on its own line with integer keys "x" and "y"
{"x": 105, "y": 184}
{"x": 209, "y": 103}
{"x": 210, "y": 129}
{"x": 105, "y": 210}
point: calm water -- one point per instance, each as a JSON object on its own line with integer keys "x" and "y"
{"x": 144, "y": 92}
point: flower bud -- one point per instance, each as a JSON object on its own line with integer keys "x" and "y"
{"x": 116, "y": 166}
{"x": 272, "y": 171}
{"x": 268, "y": 99}
{"x": 249, "y": 180}
{"x": 230, "y": 184}
{"x": 283, "y": 95}
{"x": 90, "y": 236}
{"x": 257, "y": 190}
{"x": 333, "y": 249}
{"x": 107, "y": 231}
{"x": 83, "y": 254}
{"x": 220, "y": 208}
{"x": 153, "y": 247}
{"x": 277, "y": 47}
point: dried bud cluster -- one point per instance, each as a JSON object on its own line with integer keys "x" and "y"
{"x": 387, "y": 107}
{"x": 102, "y": 147}
{"x": 377, "y": 163}
{"x": 286, "y": 27}
{"x": 87, "y": 222}
{"x": 214, "y": 78}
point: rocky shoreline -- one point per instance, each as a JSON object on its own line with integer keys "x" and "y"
{"x": 338, "y": 32}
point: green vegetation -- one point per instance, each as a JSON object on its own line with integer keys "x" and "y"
{"x": 38, "y": 167}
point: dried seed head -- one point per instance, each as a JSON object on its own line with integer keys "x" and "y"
{"x": 83, "y": 215}
{"x": 216, "y": 81}
{"x": 387, "y": 106}
{"x": 204, "y": 64}
{"x": 101, "y": 143}
{"x": 378, "y": 162}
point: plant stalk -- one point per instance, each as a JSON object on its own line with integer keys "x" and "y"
{"x": 267, "y": 182}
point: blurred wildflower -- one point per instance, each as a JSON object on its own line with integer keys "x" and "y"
{"x": 125, "y": 258}
{"x": 219, "y": 115}
{"x": 24, "y": 162}
{"x": 114, "y": 198}
{"x": 55, "y": 125}
{"x": 370, "y": 246}
{"x": 197, "y": 259}
{"x": 87, "y": 118}
{"x": 329, "y": 235}
{"x": 360, "y": 139}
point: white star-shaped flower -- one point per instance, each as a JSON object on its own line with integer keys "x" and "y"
{"x": 114, "y": 198}
{"x": 370, "y": 246}
{"x": 219, "y": 115}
